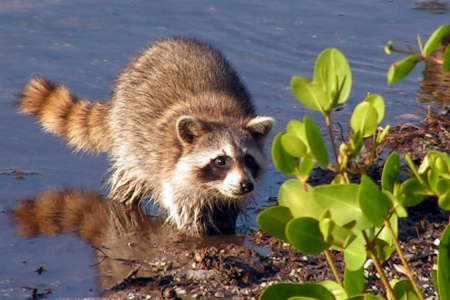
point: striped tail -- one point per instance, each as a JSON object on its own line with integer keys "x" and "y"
{"x": 81, "y": 123}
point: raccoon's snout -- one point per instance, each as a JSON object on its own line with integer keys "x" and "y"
{"x": 247, "y": 187}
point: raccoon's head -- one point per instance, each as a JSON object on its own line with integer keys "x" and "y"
{"x": 224, "y": 158}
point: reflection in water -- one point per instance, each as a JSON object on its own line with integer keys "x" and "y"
{"x": 436, "y": 84}
{"x": 121, "y": 233}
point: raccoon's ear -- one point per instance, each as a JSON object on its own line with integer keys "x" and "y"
{"x": 260, "y": 126}
{"x": 189, "y": 129}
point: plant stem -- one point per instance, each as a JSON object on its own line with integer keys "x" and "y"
{"x": 333, "y": 267}
{"x": 377, "y": 264}
{"x": 330, "y": 131}
{"x": 383, "y": 277}
{"x": 404, "y": 262}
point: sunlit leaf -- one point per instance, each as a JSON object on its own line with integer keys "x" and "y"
{"x": 302, "y": 204}
{"x": 444, "y": 201}
{"x": 373, "y": 202}
{"x": 443, "y": 262}
{"x": 401, "y": 69}
{"x": 391, "y": 172}
{"x": 435, "y": 38}
{"x": 293, "y": 145}
{"x": 364, "y": 119}
{"x": 286, "y": 187}
{"x": 440, "y": 162}
{"x": 378, "y": 103}
{"x": 285, "y": 291}
{"x": 342, "y": 202}
{"x": 296, "y": 128}
{"x": 354, "y": 281}
{"x": 273, "y": 221}
{"x": 305, "y": 236}
{"x": 316, "y": 143}
{"x": 412, "y": 192}
{"x": 310, "y": 94}
{"x": 284, "y": 162}
{"x": 383, "y": 134}
{"x": 398, "y": 207}
{"x": 355, "y": 254}
{"x": 336, "y": 289}
{"x": 332, "y": 72}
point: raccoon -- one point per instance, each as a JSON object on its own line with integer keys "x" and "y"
{"x": 180, "y": 129}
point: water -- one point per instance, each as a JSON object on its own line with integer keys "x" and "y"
{"x": 84, "y": 44}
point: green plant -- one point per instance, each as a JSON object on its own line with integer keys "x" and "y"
{"x": 361, "y": 220}
{"x": 401, "y": 69}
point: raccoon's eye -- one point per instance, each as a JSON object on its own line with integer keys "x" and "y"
{"x": 250, "y": 161}
{"x": 221, "y": 161}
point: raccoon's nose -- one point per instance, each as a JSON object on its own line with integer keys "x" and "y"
{"x": 246, "y": 186}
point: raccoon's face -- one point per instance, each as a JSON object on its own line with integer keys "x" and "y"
{"x": 224, "y": 159}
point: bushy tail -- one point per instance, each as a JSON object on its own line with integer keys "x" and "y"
{"x": 80, "y": 122}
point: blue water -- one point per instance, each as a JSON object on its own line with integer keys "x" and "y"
{"x": 83, "y": 44}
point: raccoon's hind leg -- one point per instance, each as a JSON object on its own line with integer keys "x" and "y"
{"x": 81, "y": 123}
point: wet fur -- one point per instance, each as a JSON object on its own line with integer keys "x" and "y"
{"x": 176, "y": 103}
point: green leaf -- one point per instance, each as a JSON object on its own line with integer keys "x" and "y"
{"x": 435, "y": 38}
{"x": 383, "y": 134}
{"x": 412, "y": 192}
{"x": 444, "y": 201}
{"x": 332, "y": 72}
{"x": 387, "y": 49}
{"x": 310, "y": 94}
{"x": 316, "y": 143}
{"x": 285, "y": 291}
{"x": 364, "y": 119}
{"x": 385, "y": 241}
{"x": 302, "y": 204}
{"x": 305, "y": 236}
{"x": 391, "y": 172}
{"x": 284, "y": 162}
{"x": 273, "y": 221}
{"x": 403, "y": 290}
{"x": 296, "y": 128}
{"x": 286, "y": 187}
{"x": 443, "y": 262}
{"x": 336, "y": 289}
{"x": 378, "y": 103}
{"x": 354, "y": 281}
{"x": 306, "y": 166}
{"x": 293, "y": 145}
{"x": 355, "y": 254}
{"x": 442, "y": 187}
{"x": 401, "y": 69}
{"x": 446, "y": 60}
{"x": 342, "y": 202}
{"x": 398, "y": 207}
{"x": 383, "y": 250}
{"x": 439, "y": 162}
{"x": 373, "y": 202}
{"x": 340, "y": 237}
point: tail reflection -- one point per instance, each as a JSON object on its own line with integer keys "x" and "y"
{"x": 115, "y": 230}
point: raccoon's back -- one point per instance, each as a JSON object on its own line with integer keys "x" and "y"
{"x": 174, "y": 70}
